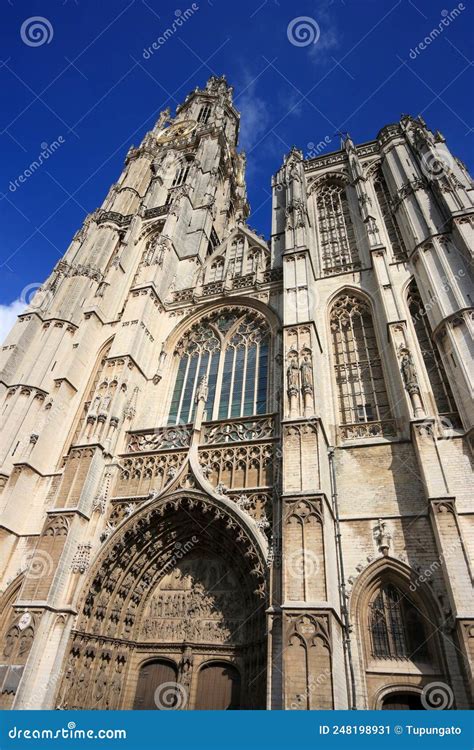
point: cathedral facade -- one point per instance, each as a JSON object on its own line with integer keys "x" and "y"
{"x": 235, "y": 474}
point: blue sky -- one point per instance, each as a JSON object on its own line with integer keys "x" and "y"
{"x": 89, "y": 88}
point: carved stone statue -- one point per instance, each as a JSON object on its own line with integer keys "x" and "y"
{"x": 382, "y": 537}
{"x": 292, "y": 375}
{"x": 306, "y": 374}
{"x": 202, "y": 390}
{"x": 407, "y": 367}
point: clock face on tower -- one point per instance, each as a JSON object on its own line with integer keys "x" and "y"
{"x": 178, "y": 130}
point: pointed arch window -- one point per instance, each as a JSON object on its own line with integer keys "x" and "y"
{"x": 204, "y": 114}
{"x": 442, "y": 393}
{"x": 383, "y": 197}
{"x": 336, "y": 230}
{"x": 396, "y": 626}
{"x": 231, "y": 350}
{"x": 236, "y": 258}
{"x": 182, "y": 172}
{"x": 364, "y": 409}
{"x": 216, "y": 271}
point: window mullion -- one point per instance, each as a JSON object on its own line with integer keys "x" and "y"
{"x": 193, "y": 392}
{"x": 185, "y": 380}
{"x": 231, "y": 391}
{"x": 244, "y": 378}
{"x": 257, "y": 378}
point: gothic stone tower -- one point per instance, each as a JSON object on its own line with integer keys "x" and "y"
{"x": 235, "y": 475}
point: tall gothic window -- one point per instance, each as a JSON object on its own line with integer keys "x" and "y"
{"x": 181, "y": 173}
{"x": 204, "y": 114}
{"x": 440, "y": 387}
{"x": 396, "y": 626}
{"x": 364, "y": 410}
{"x": 336, "y": 231}
{"x": 231, "y": 351}
{"x": 383, "y": 197}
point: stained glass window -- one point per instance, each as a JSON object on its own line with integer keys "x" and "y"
{"x": 231, "y": 350}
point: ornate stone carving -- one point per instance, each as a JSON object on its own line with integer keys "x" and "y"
{"x": 237, "y": 430}
{"x": 160, "y": 439}
{"x": 81, "y": 559}
{"x": 382, "y": 537}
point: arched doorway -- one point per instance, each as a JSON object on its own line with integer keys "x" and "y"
{"x": 218, "y": 688}
{"x": 156, "y": 686}
{"x": 402, "y": 702}
{"x": 180, "y": 586}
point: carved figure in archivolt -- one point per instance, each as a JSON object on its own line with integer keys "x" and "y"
{"x": 199, "y": 601}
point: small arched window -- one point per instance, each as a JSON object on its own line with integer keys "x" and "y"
{"x": 383, "y": 197}
{"x": 336, "y": 231}
{"x": 231, "y": 351}
{"x": 364, "y": 410}
{"x": 396, "y": 626}
{"x": 440, "y": 387}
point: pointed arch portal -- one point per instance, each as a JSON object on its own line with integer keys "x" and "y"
{"x": 179, "y": 586}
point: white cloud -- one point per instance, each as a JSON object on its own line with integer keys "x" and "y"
{"x": 8, "y": 315}
{"x": 255, "y": 118}
{"x": 329, "y": 37}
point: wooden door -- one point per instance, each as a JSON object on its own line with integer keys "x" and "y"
{"x": 218, "y": 688}
{"x": 402, "y": 702}
{"x": 151, "y": 676}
